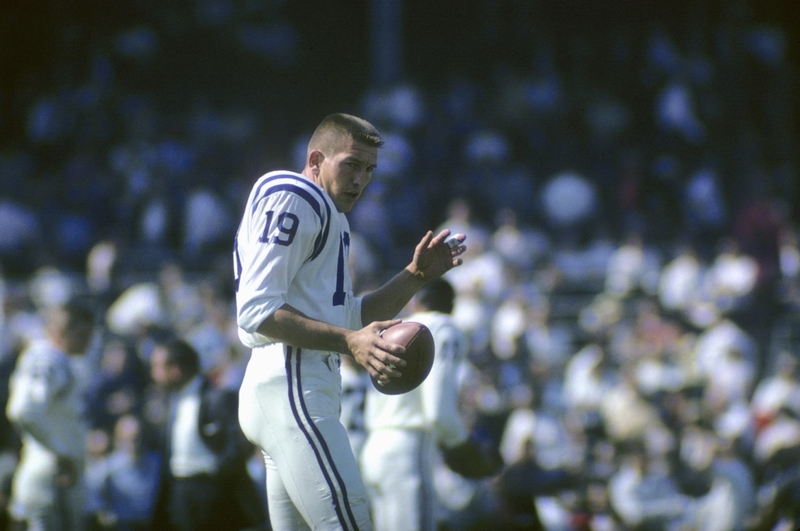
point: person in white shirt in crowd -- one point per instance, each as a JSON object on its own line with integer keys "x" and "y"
{"x": 403, "y": 431}
{"x": 776, "y": 446}
{"x": 547, "y": 342}
{"x": 519, "y": 245}
{"x": 778, "y": 389}
{"x": 627, "y": 416}
{"x": 715, "y": 344}
{"x": 46, "y": 407}
{"x": 680, "y": 280}
{"x": 632, "y": 267}
{"x": 168, "y": 300}
{"x": 644, "y": 494}
{"x": 485, "y": 274}
{"x": 730, "y": 501}
{"x": 731, "y": 277}
{"x": 732, "y": 379}
{"x": 510, "y": 320}
{"x": 587, "y": 379}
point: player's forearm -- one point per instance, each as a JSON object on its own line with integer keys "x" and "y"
{"x": 388, "y": 300}
{"x": 288, "y": 325}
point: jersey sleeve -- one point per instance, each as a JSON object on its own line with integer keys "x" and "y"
{"x": 278, "y": 233}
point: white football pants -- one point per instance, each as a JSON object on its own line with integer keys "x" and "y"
{"x": 397, "y": 465}
{"x": 289, "y": 404}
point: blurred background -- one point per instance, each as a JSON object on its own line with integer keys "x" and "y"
{"x": 115, "y": 116}
{"x": 627, "y": 175}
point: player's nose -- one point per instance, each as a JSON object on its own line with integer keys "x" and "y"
{"x": 362, "y": 178}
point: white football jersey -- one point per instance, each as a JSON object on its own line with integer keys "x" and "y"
{"x": 292, "y": 248}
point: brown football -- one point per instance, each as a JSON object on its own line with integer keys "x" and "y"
{"x": 418, "y": 342}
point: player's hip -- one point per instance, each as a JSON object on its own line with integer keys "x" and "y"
{"x": 284, "y": 365}
{"x": 283, "y": 386}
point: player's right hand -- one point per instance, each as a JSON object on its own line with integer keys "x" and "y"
{"x": 375, "y": 354}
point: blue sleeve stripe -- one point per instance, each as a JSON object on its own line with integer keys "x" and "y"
{"x": 304, "y": 191}
{"x": 298, "y": 179}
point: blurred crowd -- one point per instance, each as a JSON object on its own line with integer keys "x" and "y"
{"x": 629, "y": 193}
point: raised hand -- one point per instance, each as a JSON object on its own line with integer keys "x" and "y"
{"x": 433, "y": 256}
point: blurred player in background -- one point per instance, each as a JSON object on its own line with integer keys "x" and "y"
{"x": 46, "y": 405}
{"x": 405, "y": 430}
{"x": 297, "y": 311}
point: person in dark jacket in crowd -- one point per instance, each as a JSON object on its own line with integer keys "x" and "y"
{"x": 207, "y": 486}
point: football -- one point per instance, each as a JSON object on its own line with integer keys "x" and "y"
{"x": 418, "y": 342}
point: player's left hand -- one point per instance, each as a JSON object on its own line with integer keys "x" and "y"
{"x": 433, "y": 257}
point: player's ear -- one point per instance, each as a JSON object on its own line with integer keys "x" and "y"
{"x": 315, "y": 159}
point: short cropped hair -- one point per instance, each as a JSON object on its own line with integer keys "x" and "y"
{"x": 182, "y": 354}
{"x": 331, "y": 134}
{"x": 437, "y": 295}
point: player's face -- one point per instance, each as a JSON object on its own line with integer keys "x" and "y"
{"x": 345, "y": 174}
{"x": 162, "y": 371}
{"x": 73, "y": 336}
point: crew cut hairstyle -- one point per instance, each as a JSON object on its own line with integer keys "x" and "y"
{"x": 332, "y": 132}
{"x": 437, "y": 295}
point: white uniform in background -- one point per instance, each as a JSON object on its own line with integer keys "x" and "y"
{"x": 46, "y": 405}
{"x": 355, "y": 382}
{"x": 403, "y": 432}
{"x": 292, "y": 248}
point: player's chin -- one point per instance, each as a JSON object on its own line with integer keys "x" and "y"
{"x": 347, "y": 202}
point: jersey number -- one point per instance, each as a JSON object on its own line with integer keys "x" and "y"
{"x": 285, "y": 229}
{"x": 344, "y": 247}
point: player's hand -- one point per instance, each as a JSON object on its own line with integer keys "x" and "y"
{"x": 433, "y": 257}
{"x": 374, "y": 353}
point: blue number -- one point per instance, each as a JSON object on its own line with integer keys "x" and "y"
{"x": 264, "y": 238}
{"x": 286, "y": 227}
{"x": 344, "y": 247}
